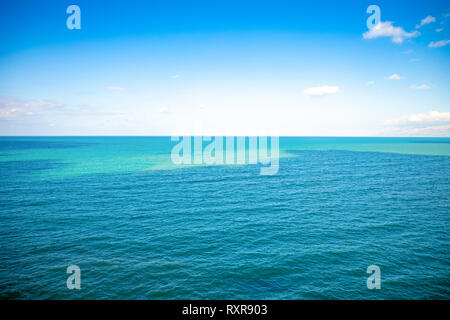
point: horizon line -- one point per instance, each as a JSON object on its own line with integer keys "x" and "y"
{"x": 168, "y": 136}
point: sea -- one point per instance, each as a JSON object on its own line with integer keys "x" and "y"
{"x": 140, "y": 227}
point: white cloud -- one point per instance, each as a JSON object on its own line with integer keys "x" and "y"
{"x": 438, "y": 44}
{"x": 408, "y": 51}
{"x": 164, "y": 110}
{"x": 420, "y": 87}
{"x": 424, "y": 21}
{"x": 428, "y": 131}
{"x": 434, "y": 123}
{"x": 432, "y": 116}
{"x": 175, "y": 76}
{"x": 369, "y": 83}
{"x": 431, "y": 131}
{"x": 394, "y": 77}
{"x": 422, "y": 118}
{"x": 414, "y": 60}
{"x": 115, "y": 88}
{"x": 321, "y": 91}
{"x": 439, "y": 29}
{"x": 386, "y": 29}
{"x": 11, "y": 108}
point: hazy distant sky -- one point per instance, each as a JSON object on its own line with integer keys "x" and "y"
{"x": 225, "y": 68}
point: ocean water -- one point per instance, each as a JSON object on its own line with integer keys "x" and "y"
{"x": 142, "y": 228}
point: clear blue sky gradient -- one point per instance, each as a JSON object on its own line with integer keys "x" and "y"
{"x": 221, "y": 67}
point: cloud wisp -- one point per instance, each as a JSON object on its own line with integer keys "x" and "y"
{"x": 115, "y": 88}
{"x": 394, "y": 77}
{"x": 420, "y": 87}
{"x": 11, "y": 108}
{"x": 432, "y": 124}
{"x": 321, "y": 91}
{"x": 425, "y": 21}
{"x": 438, "y": 44}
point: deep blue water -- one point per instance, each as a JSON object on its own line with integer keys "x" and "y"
{"x": 335, "y": 207}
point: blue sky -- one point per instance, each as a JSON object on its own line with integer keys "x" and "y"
{"x": 225, "y": 68}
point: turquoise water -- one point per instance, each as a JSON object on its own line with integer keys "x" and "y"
{"x": 142, "y": 228}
